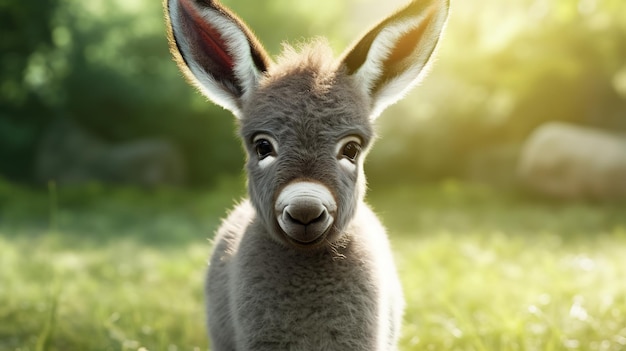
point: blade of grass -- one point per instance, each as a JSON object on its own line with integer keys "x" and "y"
{"x": 47, "y": 332}
{"x": 53, "y": 206}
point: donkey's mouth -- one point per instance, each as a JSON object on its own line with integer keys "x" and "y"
{"x": 305, "y": 213}
{"x": 315, "y": 243}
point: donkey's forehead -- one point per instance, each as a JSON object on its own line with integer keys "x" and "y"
{"x": 307, "y": 101}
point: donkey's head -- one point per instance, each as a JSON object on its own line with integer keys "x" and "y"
{"x": 306, "y": 121}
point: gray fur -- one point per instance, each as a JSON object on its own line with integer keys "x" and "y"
{"x": 265, "y": 290}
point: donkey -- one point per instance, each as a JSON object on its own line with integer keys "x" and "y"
{"x": 303, "y": 264}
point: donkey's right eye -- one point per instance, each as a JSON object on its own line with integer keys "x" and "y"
{"x": 264, "y": 148}
{"x": 351, "y": 151}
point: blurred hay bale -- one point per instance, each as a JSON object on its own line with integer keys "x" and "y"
{"x": 573, "y": 162}
{"x": 71, "y": 155}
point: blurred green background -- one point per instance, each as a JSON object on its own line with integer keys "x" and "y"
{"x": 88, "y": 89}
{"x": 503, "y": 69}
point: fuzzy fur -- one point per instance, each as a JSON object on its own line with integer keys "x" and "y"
{"x": 342, "y": 292}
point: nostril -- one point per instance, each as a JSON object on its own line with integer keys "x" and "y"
{"x": 292, "y": 219}
{"x": 305, "y": 215}
{"x": 319, "y": 218}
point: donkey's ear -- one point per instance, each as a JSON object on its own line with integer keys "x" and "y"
{"x": 390, "y": 58}
{"x": 215, "y": 50}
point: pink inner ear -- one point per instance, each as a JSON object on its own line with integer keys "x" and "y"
{"x": 410, "y": 41}
{"x": 405, "y": 46}
{"x": 209, "y": 42}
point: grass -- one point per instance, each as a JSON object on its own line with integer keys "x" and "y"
{"x": 97, "y": 268}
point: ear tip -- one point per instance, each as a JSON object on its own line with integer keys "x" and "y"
{"x": 446, "y": 3}
{"x": 443, "y": 5}
{"x": 431, "y": 8}
{"x": 209, "y": 3}
{"x": 213, "y": 4}
{"x": 439, "y": 8}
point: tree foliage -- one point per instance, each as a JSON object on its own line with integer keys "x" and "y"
{"x": 503, "y": 69}
{"x": 25, "y": 29}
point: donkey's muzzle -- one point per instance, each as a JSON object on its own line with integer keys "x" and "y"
{"x": 305, "y": 212}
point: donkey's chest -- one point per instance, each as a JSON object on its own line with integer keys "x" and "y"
{"x": 298, "y": 301}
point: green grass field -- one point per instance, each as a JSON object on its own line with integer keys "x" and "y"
{"x": 97, "y": 268}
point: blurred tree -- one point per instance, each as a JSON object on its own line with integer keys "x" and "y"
{"x": 26, "y": 36}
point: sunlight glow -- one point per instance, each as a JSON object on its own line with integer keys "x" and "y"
{"x": 619, "y": 82}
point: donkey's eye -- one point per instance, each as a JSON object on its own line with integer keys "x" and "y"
{"x": 264, "y": 148}
{"x": 351, "y": 150}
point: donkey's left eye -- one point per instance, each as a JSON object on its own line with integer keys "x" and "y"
{"x": 351, "y": 150}
{"x": 264, "y": 148}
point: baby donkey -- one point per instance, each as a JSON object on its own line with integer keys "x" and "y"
{"x": 304, "y": 264}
